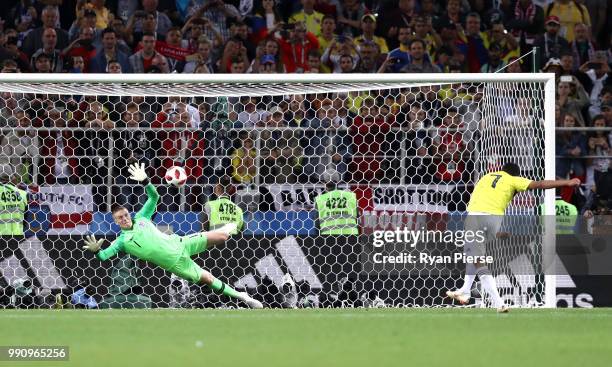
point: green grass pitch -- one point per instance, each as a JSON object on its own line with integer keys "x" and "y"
{"x": 313, "y": 338}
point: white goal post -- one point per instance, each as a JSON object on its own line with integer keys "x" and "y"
{"x": 374, "y": 142}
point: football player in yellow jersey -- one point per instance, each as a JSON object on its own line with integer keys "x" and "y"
{"x": 492, "y": 194}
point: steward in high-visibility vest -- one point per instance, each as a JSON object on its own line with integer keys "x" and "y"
{"x": 337, "y": 210}
{"x": 566, "y": 215}
{"x": 13, "y": 205}
{"x": 222, "y": 211}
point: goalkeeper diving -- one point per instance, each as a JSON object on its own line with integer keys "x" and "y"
{"x": 490, "y": 198}
{"x": 141, "y": 238}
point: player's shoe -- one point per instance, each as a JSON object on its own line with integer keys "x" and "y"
{"x": 250, "y": 301}
{"x": 462, "y": 298}
{"x": 228, "y": 228}
{"x": 503, "y": 309}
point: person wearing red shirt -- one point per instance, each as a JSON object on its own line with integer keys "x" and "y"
{"x": 295, "y": 43}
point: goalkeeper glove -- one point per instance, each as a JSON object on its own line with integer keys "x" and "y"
{"x": 92, "y": 245}
{"x": 138, "y": 173}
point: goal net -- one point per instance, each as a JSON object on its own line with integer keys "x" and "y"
{"x": 411, "y": 148}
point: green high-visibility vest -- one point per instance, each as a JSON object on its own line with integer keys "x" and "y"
{"x": 566, "y": 215}
{"x": 222, "y": 211}
{"x": 337, "y": 212}
{"x": 13, "y": 204}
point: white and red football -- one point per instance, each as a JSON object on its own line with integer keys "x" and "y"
{"x": 176, "y": 176}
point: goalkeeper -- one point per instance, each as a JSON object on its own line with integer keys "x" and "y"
{"x": 141, "y": 238}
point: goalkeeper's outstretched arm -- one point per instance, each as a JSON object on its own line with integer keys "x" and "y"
{"x": 95, "y": 246}
{"x": 139, "y": 174}
{"x": 553, "y": 184}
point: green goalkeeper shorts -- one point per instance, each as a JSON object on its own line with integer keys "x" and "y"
{"x": 185, "y": 267}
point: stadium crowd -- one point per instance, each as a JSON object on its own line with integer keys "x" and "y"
{"x": 381, "y": 137}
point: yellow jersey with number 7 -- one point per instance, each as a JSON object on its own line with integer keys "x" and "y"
{"x": 494, "y": 191}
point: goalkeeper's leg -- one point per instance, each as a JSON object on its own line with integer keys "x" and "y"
{"x": 187, "y": 269}
{"x": 207, "y": 279}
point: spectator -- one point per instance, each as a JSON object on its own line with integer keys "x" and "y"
{"x": 175, "y": 49}
{"x": 605, "y": 97}
{"x": 118, "y": 26}
{"x": 509, "y": 46}
{"x": 400, "y": 57}
{"x": 423, "y": 30}
{"x": 25, "y": 17}
{"x": 606, "y": 111}
{"x": 599, "y": 145}
{"x": 251, "y": 115}
{"x": 369, "y": 58}
{"x": 314, "y": 62}
{"x": 569, "y": 13}
{"x": 449, "y": 35}
{"x": 368, "y": 26}
{"x": 572, "y": 98}
{"x": 571, "y": 146}
{"x": 418, "y": 62}
{"x": 315, "y": 143}
{"x": 453, "y": 15}
{"x": 525, "y": 23}
{"x": 159, "y": 61}
{"x": 58, "y": 149}
{"x": 9, "y": 106}
{"x": 582, "y": 47}
{"x": 195, "y": 29}
{"x": 474, "y": 45}
{"x": 349, "y": 14}
{"x": 20, "y": 147}
{"x": 295, "y": 46}
{"x": 270, "y": 51}
{"x": 495, "y": 63}
{"x": 443, "y": 58}
{"x": 337, "y": 50}
{"x": 49, "y": 17}
{"x": 392, "y": 18}
{"x": 288, "y": 164}
{"x": 238, "y": 65}
{"x": 142, "y": 60}
{"x": 108, "y": 52}
{"x": 10, "y": 66}
{"x": 569, "y": 67}
{"x": 598, "y": 10}
{"x": 270, "y": 150}
{"x": 598, "y": 71}
{"x": 14, "y": 53}
{"x": 86, "y": 18}
{"x": 200, "y": 59}
{"x": 296, "y": 112}
{"x": 514, "y": 66}
{"x": 42, "y": 64}
{"x": 221, "y": 15}
{"x": 113, "y": 67}
{"x": 50, "y": 49}
{"x": 551, "y": 44}
{"x": 234, "y": 53}
{"x": 265, "y": 17}
{"x": 163, "y": 23}
{"x": 103, "y": 15}
{"x": 368, "y": 131}
{"x": 131, "y": 146}
{"x": 244, "y": 169}
{"x": 76, "y": 65}
{"x": 310, "y": 17}
{"x": 82, "y": 46}
{"x": 327, "y": 34}
{"x": 149, "y": 26}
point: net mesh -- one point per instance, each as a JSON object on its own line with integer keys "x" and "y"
{"x": 411, "y": 152}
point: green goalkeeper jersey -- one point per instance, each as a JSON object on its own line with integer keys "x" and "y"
{"x": 144, "y": 240}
